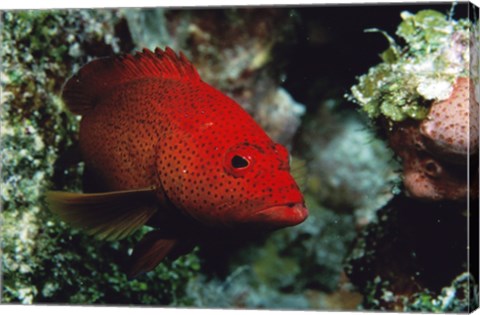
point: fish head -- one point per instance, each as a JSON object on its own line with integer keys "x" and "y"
{"x": 224, "y": 184}
{"x": 263, "y": 192}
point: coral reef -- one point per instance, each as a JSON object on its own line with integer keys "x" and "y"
{"x": 424, "y": 70}
{"x": 421, "y": 95}
{"x": 350, "y": 168}
{"x": 427, "y": 110}
{"x": 436, "y": 150}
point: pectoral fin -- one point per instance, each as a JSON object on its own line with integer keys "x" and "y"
{"x": 153, "y": 248}
{"x": 299, "y": 171}
{"x": 149, "y": 252}
{"x": 109, "y": 216}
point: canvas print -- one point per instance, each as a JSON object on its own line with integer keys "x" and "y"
{"x": 303, "y": 157}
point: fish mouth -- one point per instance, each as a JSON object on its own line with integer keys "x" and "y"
{"x": 283, "y": 215}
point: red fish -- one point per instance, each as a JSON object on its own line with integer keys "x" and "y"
{"x": 163, "y": 148}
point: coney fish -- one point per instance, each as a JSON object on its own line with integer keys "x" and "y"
{"x": 165, "y": 149}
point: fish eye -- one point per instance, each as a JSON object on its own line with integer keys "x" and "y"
{"x": 239, "y": 162}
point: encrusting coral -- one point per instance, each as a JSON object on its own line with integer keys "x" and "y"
{"x": 425, "y": 176}
{"x": 436, "y": 149}
{"x": 450, "y": 130}
{"x": 422, "y": 95}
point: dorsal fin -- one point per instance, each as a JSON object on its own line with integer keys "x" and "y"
{"x": 83, "y": 90}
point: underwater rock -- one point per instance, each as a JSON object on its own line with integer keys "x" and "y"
{"x": 399, "y": 258}
{"x": 238, "y": 65}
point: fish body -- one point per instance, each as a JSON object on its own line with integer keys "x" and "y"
{"x": 169, "y": 146}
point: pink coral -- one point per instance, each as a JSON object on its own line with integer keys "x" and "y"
{"x": 445, "y": 130}
{"x": 435, "y": 151}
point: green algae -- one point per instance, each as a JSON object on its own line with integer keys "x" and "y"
{"x": 459, "y": 297}
{"x": 422, "y": 70}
